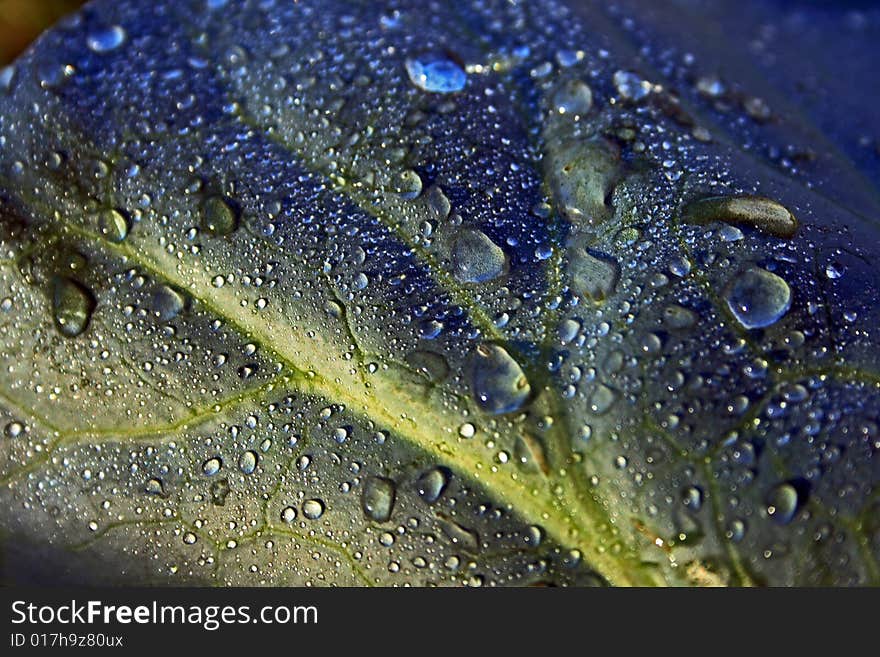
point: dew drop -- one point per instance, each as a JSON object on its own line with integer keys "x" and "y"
{"x": 112, "y": 225}
{"x": 72, "y": 306}
{"x": 248, "y": 462}
{"x": 476, "y": 258}
{"x": 219, "y": 215}
{"x": 378, "y": 498}
{"x": 432, "y": 483}
{"x": 167, "y": 303}
{"x": 436, "y": 74}
{"x": 782, "y": 503}
{"x": 212, "y": 466}
{"x": 313, "y": 509}
{"x": 288, "y": 514}
{"x": 107, "y": 39}
{"x": 757, "y": 298}
{"x": 498, "y": 383}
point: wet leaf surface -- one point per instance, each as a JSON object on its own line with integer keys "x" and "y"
{"x": 475, "y": 294}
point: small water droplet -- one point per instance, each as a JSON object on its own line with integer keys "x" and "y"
{"x": 212, "y": 466}
{"x": 782, "y": 503}
{"x": 219, "y": 215}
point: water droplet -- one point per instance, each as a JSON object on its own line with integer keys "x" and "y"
{"x": 459, "y": 534}
{"x": 167, "y": 303}
{"x": 155, "y": 487}
{"x": 112, "y": 225}
{"x": 782, "y": 503}
{"x": 757, "y": 297}
{"x": 602, "y": 399}
{"x": 631, "y": 86}
{"x": 248, "y": 462}
{"x": 107, "y": 39}
{"x": 72, "y": 306}
{"x": 592, "y": 277}
{"x": 467, "y": 430}
{"x": 288, "y": 514}
{"x": 754, "y": 211}
{"x": 212, "y": 466}
{"x": 692, "y": 497}
{"x": 408, "y": 184}
{"x": 437, "y": 74}
{"x": 13, "y": 429}
{"x": 378, "y": 498}
{"x": 219, "y": 215}
{"x": 574, "y": 98}
{"x": 432, "y": 484}
{"x": 476, "y": 258}
{"x": 498, "y": 383}
{"x": 313, "y": 509}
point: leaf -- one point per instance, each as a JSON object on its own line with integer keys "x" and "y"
{"x": 305, "y": 295}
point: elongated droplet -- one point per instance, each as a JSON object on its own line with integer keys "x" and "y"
{"x": 72, "y": 306}
{"x": 499, "y": 385}
{"x": 760, "y": 213}
{"x": 107, "y": 39}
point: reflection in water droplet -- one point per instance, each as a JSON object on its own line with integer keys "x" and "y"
{"x": 498, "y": 383}
{"x": 432, "y": 484}
{"x": 107, "y": 39}
{"x": 313, "y": 509}
{"x": 436, "y": 74}
{"x": 476, "y": 258}
{"x": 757, "y": 298}
{"x": 378, "y": 498}
{"x": 72, "y": 306}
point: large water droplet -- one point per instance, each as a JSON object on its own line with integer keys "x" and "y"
{"x": 574, "y": 98}
{"x": 248, "y": 462}
{"x": 757, "y": 297}
{"x": 592, "y": 277}
{"x": 498, "y": 383}
{"x": 437, "y": 74}
{"x": 313, "y": 509}
{"x": 782, "y": 503}
{"x": 107, "y": 39}
{"x": 476, "y": 258}
{"x": 378, "y": 498}
{"x": 72, "y": 306}
{"x": 167, "y": 303}
{"x": 219, "y": 215}
{"x": 112, "y": 225}
{"x": 432, "y": 484}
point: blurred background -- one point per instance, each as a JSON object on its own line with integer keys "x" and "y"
{"x": 22, "y": 21}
